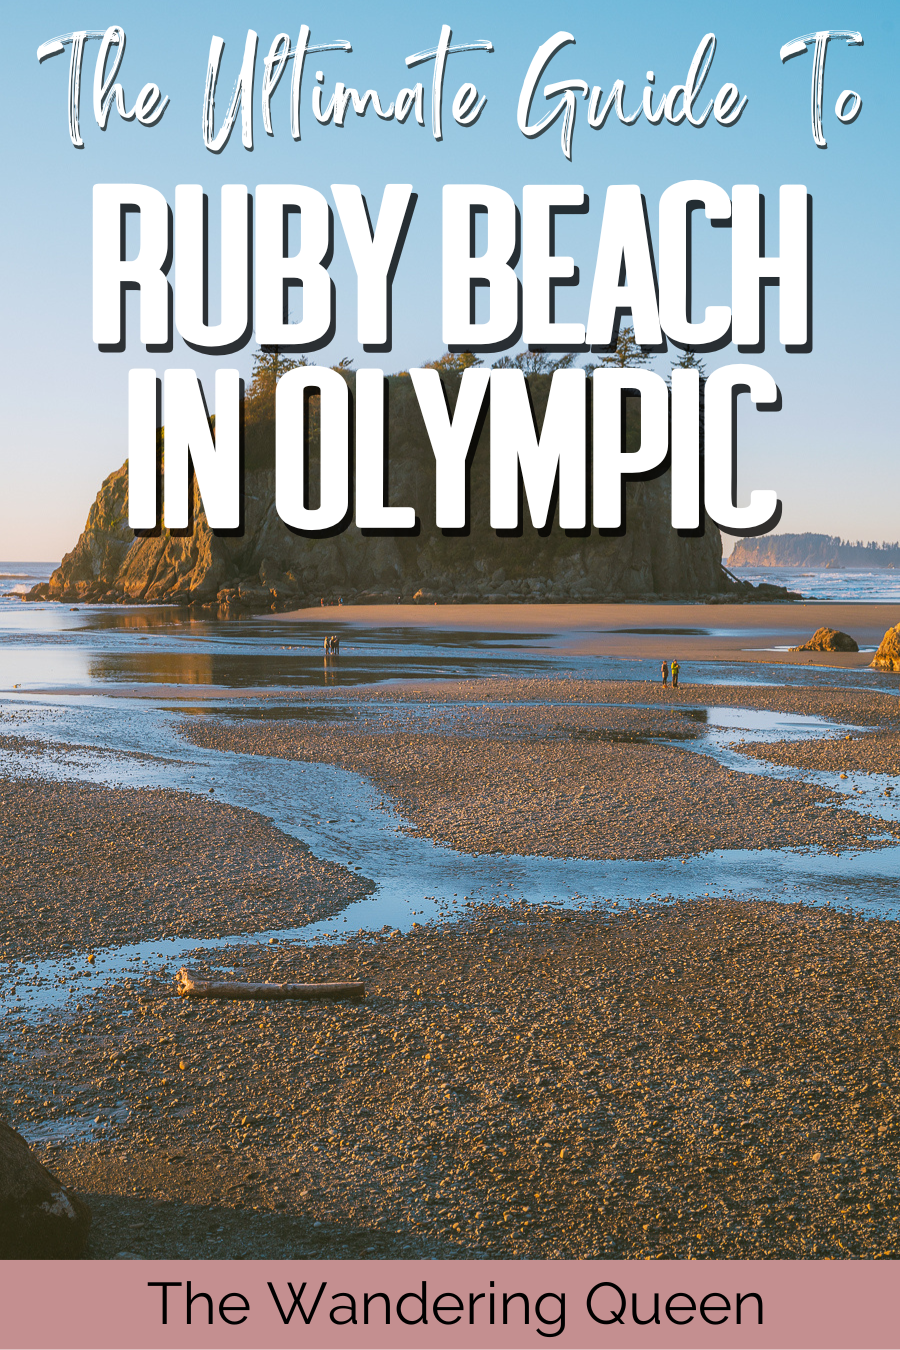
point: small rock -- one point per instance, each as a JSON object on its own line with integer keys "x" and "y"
{"x": 828, "y": 640}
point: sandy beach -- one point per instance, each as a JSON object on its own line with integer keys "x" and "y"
{"x": 750, "y": 635}
{"x": 472, "y": 768}
{"x": 696, "y": 1074}
{"x": 91, "y": 865}
{"x": 712, "y": 1079}
{"x": 692, "y": 632}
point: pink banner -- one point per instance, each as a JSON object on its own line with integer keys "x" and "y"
{"x": 448, "y": 1303}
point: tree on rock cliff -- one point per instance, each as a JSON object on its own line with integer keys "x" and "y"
{"x": 268, "y": 367}
{"x": 269, "y": 364}
{"x": 626, "y": 352}
{"x": 454, "y": 361}
{"x": 535, "y": 363}
{"x": 689, "y": 360}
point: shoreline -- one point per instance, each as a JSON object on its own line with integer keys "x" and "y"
{"x": 590, "y": 629}
{"x": 695, "y": 634}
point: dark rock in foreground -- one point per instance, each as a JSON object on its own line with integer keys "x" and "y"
{"x": 267, "y": 566}
{"x": 828, "y": 640}
{"x": 39, "y": 1218}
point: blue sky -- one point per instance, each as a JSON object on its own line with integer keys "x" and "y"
{"x": 832, "y": 452}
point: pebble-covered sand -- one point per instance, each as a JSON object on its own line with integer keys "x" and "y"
{"x": 87, "y": 865}
{"x": 857, "y": 756}
{"x": 705, "y": 1079}
{"x": 572, "y": 779}
{"x": 709, "y": 1078}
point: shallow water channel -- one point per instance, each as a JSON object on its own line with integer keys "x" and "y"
{"x": 346, "y": 819}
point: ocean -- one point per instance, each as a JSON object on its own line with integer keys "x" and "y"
{"x": 846, "y": 585}
{"x": 17, "y": 578}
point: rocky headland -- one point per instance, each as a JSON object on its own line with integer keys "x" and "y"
{"x": 265, "y": 565}
{"x": 813, "y": 550}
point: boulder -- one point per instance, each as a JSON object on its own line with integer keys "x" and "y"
{"x": 888, "y": 655}
{"x": 39, "y": 1218}
{"x": 828, "y": 640}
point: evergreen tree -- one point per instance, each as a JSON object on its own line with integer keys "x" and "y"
{"x": 627, "y": 352}
{"x": 268, "y": 368}
{"x": 269, "y": 365}
{"x": 454, "y": 361}
{"x": 689, "y": 360}
{"x": 535, "y": 363}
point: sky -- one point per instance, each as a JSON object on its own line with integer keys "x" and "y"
{"x": 831, "y": 452}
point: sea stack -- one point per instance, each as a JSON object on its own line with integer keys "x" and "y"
{"x": 267, "y": 566}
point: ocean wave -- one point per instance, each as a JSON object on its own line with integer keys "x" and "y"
{"x": 834, "y": 584}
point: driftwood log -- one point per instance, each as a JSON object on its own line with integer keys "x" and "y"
{"x": 188, "y": 986}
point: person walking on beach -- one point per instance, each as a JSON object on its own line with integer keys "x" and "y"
{"x": 664, "y": 671}
{"x": 675, "y": 669}
{"x": 336, "y": 645}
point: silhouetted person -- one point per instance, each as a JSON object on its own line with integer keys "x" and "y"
{"x": 664, "y": 671}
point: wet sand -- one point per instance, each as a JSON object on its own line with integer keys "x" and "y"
{"x": 709, "y": 1078}
{"x": 84, "y": 866}
{"x": 742, "y": 634}
{"x": 712, "y": 1079}
{"x": 691, "y": 632}
{"x": 572, "y": 780}
{"x": 877, "y": 753}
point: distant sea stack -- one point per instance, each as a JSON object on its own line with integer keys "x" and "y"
{"x": 267, "y": 566}
{"x": 812, "y": 550}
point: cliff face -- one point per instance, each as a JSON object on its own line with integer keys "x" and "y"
{"x": 266, "y": 565}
